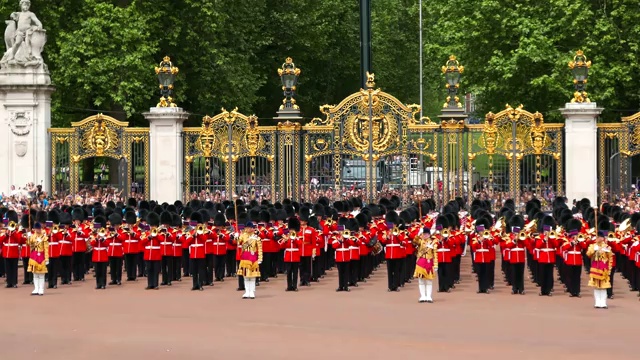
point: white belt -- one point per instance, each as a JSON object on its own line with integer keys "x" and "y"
{"x": 177, "y": 245}
{"x": 291, "y": 249}
{"x": 219, "y": 243}
{"x": 196, "y": 245}
{"x": 11, "y": 244}
{"x": 392, "y": 245}
{"x": 445, "y": 250}
{"x": 354, "y": 247}
{"x": 116, "y": 244}
{"x": 100, "y": 248}
{"x": 53, "y": 243}
{"x": 131, "y": 241}
{"x": 152, "y": 247}
{"x": 166, "y": 243}
{"x": 479, "y": 250}
{"x": 517, "y": 249}
{"x": 574, "y": 252}
{"x": 342, "y": 249}
{"x": 65, "y": 242}
{"x": 547, "y": 250}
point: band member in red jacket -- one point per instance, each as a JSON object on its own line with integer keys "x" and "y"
{"x": 100, "y": 239}
{"x": 572, "y": 254}
{"x": 115, "y": 250}
{"x": 546, "y": 247}
{"x": 309, "y": 237}
{"x": 166, "y": 243}
{"x": 196, "y": 238}
{"x": 66, "y": 248}
{"x": 178, "y": 246}
{"x": 341, "y": 241}
{"x": 131, "y": 246}
{"x": 11, "y": 241}
{"x": 152, "y": 250}
{"x": 445, "y": 254}
{"x": 292, "y": 245}
{"x": 80, "y": 235}
{"x": 27, "y": 221}
{"x": 55, "y": 236}
{"x": 393, "y": 251}
{"x": 517, "y": 245}
{"x": 270, "y": 248}
{"x": 482, "y": 246}
{"x": 220, "y": 241}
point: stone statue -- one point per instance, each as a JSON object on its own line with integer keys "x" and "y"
{"x": 24, "y": 37}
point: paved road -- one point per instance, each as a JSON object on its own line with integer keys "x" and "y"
{"x": 127, "y": 322}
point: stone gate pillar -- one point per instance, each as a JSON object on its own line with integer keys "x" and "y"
{"x": 25, "y": 110}
{"x": 166, "y": 167}
{"x": 581, "y": 151}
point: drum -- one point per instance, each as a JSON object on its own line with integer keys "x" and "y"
{"x": 377, "y": 248}
{"x": 89, "y": 247}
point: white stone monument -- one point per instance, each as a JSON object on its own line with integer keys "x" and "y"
{"x": 25, "y": 104}
{"x": 166, "y": 153}
{"x": 581, "y": 150}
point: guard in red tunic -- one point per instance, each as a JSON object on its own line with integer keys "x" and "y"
{"x": 152, "y": 251}
{"x": 178, "y": 245}
{"x": 55, "y": 236}
{"x": 516, "y": 244}
{"x": 115, "y": 250}
{"x": 231, "y": 267}
{"x": 196, "y": 239}
{"x": 26, "y": 222}
{"x": 309, "y": 237}
{"x": 66, "y": 248}
{"x": 100, "y": 239}
{"x": 270, "y": 248}
{"x": 445, "y": 254}
{"x": 166, "y": 243}
{"x": 131, "y": 246}
{"x": 80, "y": 235}
{"x": 292, "y": 245}
{"x": 393, "y": 251}
{"x": 546, "y": 247}
{"x": 11, "y": 241}
{"x": 220, "y": 241}
{"x": 483, "y": 245}
{"x": 341, "y": 241}
{"x": 572, "y": 254}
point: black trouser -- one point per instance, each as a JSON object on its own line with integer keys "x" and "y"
{"x": 305, "y": 270}
{"x": 65, "y": 269}
{"x": 492, "y": 273}
{"x": 78, "y": 266}
{"x": 321, "y": 264}
{"x": 115, "y": 265}
{"x": 363, "y": 267}
{"x": 354, "y": 270}
{"x": 101, "y": 274}
{"x": 219, "y": 265}
{"x": 444, "y": 276}
{"x": 28, "y": 277}
{"x": 52, "y": 271}
{"x": 11, "y": 267}
{"x": 545, "y": 276}
{"x": 343, "y": 275}
{"x": 208, "y": 262}
{"x": 394, "y": 266}
{"x": 611, "y": 276}
{"x": 153, "y": 273}
{"x": 456, "y": 267}
{"x": 167, "y": 269}
{"x": 517, "y": 277}
{"x": 280, "y": 267}
{"x": 142, "y": 266}
{"x": 177, "y": 267}
{"x": 186, "y": 268}
{"x": 265, "y": 267}
{"x": 508, "y": 270}
{"x": 88, "y": 263}
{"x": 483, "y": 276}
{"x": 231, "y": 263}
{"x": 331, "y": 260}
{"x": 3, "y": 271}
{"x": 586, "y": 261}
{"x": 291, "y": 269}
{"x": 130, "y": 266}
{"x": 240, "y": 278}
{"x": 573, "y": 279}
{"x": 316, "y": 268}
{"x": 560, "y": 267}
{"x": 197, "y": 272}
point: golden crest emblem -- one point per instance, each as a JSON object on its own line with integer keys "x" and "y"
{"x": 100, "y": 138}
{"x": 381, "y": 128}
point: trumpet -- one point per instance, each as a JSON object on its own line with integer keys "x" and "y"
{"x": 531, "y": 225}
{"x": 102, "y": 233}
{"x": 486, "y": 234}
{"x": 154, "y": 232}
{"x": 445, "y": 233}
{"x": 12, "y": 226}
{"x": 55, "y": 229}
{"x": 329, "y": 222}
{"x": 522, "y": 236}
{"x": 395, "y": 231}
{"x": 293, "y": 234}
{"x": 552, "y": 234}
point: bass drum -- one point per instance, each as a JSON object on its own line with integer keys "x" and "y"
{"x": 89, "y": 247}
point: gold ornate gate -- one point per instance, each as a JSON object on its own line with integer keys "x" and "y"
{"x": 515, "y": 151}
{"x": 100, "y": 136}
{"x": 230, "y": 155}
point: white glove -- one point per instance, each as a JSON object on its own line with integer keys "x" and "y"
{"x": 435, "y": 268}
{"x": 46, "y": 263}
{"x": 259, "y": 262}
{"x": 596, "y": 247}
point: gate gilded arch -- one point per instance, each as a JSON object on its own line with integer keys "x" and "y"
{"x": 99, "y": 136}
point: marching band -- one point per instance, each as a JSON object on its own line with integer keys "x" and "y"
{"x": 257, "y": 241}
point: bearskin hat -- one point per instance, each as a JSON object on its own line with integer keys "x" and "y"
{"x": 115, "y": 219}
{"x": 153, "y": 219}
{"x": 392, "y": 217}
{"x": 219, "y": 220}
{"x": 196, "y": 217}
{"x": 130, "y": 218}
{"x": 441, "y": 221}
{"x": 293, "y": 224}
{"x": 318, "y": 210}
{"x": 54, "y": 217}
{"x": 11, "y": 215}
{"x": 100, "y": 220}
{"x": 166, "y": 218}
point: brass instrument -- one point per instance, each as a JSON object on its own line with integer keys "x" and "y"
{"x": 329, "y": 222}
{"x": 445, "y": 233}
{"x": 486, "y": 234}
{"x": 522, "y": 236}
{"x": 395, "y": 231}
{"x": 12, "y": 226}
{"x": 293, "y": 234}
{"x": 552, "y": 234}
{"x": 55, "y": 229}
{"x": 154, "y": 232}
{"x": 201, "y": 228}
{"x": 625, "y": 225}
{"x": 500, "y": 224}
{"x": 531, "y": 225}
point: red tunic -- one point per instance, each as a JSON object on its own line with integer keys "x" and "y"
{"x": 152, "y": 248}
{"x": 309, "y": 237}
{"x": 100, "y": 247}
{"x": 220, "y": 239}
{"x": 54, "y": 244}
{"x": 166, "y": 243}
{"x": 482, "y": 249}
{"x": 196, "y": 245}
{"x": 291, "y": 249}
{"x": 572, "y": 254}
{"x": 11, "y": 245}
{"x": 394, "y": 246}
{"x": 342, "y": 248}
{"x": 517, "y": 250}
{"x": 116, "y": 245}
{"x": 546, "y": 251}
{"x": 79, "y": 237}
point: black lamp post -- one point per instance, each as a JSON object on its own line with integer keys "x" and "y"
{"x": 580, "y": 68}
{"x": 452, "y": 71}
{"x": 289, "y": 76}
{"x": 166, "y": 76}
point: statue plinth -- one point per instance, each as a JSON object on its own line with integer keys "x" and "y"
{"x": 452, "y": 114}
{"x": 290, "y": 114}
{"x": 23, "y": 76}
